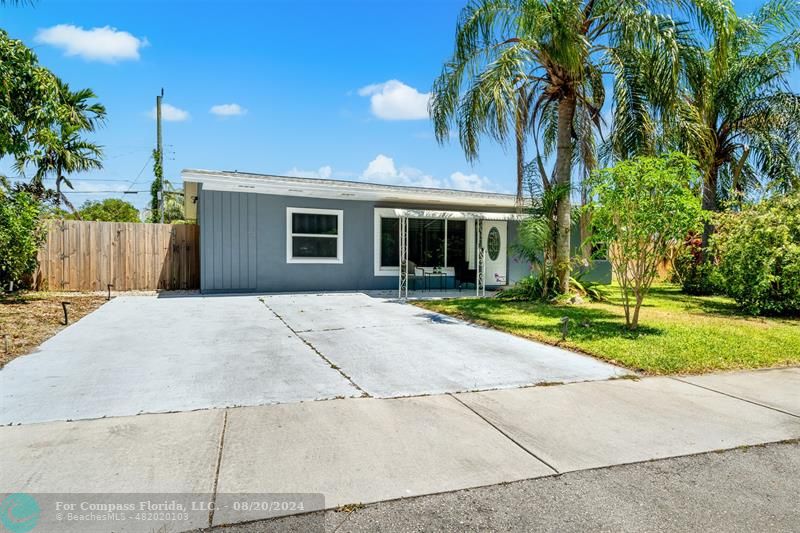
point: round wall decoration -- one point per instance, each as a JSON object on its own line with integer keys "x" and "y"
{"x": 493, "y": 243}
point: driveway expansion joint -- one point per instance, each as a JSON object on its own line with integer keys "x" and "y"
{"x": 364, "y": 394}
{"x": 217, "y": 469}
{"x": 736, "y": 397}
{"x": 506, "y": 435}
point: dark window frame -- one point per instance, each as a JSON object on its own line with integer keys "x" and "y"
{"x": 423, "y": 252}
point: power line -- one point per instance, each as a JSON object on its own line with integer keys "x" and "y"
{"x": 125, "y": 154}
{"x": 149, "y": 157}
{"x": 104, "y": 192}
{"x": 94, "y": 179}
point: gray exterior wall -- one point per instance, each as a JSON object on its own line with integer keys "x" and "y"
{"x": 598, "y": 271}
{"x": 517, "y": 268}
{"x": 243, "y": 245}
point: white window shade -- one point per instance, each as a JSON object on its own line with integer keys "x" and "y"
{"x": 470, "y": 244}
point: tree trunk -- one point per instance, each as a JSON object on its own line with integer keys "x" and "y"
{"x": 634, "y": 324}
{"x": 563, "y": 177}
{"x": 58, "y": 187}
{"x": 709, "y": 204}
{"x": 738, "y": 185}
{"x": 521, "y": 120}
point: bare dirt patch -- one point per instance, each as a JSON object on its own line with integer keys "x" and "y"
{"x": 30, "y": 318}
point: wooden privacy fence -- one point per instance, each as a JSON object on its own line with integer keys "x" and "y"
{"x": 87, "y": 256}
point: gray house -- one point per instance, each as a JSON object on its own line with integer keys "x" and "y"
{"x": 262, "y": 233}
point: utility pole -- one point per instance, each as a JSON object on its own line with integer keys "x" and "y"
{"x": 160, "y": 154}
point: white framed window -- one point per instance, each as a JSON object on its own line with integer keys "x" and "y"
{"x": 314, "y": 235}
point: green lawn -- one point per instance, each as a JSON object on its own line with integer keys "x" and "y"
{"x": 677, "y": 333}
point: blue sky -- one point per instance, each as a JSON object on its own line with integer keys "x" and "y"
{"x": 313, "y": 82}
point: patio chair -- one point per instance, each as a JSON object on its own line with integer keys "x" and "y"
{"x": 414, "y": 273}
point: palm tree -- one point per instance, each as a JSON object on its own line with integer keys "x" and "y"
{"x": 77, "y": 108}
{"x": 738, "y": 116}
{"x": 64, "y": 153}
{"x": 61, "y": 149}
{"x": 549, "y": 59}
{"x": 536, "y": 242}
{"x": 173, "y": 203}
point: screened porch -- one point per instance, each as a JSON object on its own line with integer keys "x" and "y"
{"x": 432, "y": 250}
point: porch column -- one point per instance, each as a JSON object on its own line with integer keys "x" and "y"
{"x": 403, "y": 255}
{"x": 480, "y": 281}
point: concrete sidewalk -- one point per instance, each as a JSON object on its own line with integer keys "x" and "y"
{"x": 368, "y": 450}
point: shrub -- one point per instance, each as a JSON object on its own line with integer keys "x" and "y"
{"x": 593, "y": 290}
{"x": 536, "y": 287}
{"x": 21, "y": 234}
{"x": 695, "y": 275}
{"x": 109, "y": 210}
{"x": 759, "y": 256}
{"x": 532, "y": 287}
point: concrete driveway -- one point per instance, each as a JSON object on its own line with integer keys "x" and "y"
{"x": 392, "y": 349}
{"x": 159, "y": 354}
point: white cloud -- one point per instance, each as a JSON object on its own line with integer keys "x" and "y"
{"x": 170, "y": 113}
{"x": 394, "y": 100}
{"x": 381, "y": 167}
{"x": 227, "y": 110}
{"x": 471, "y": 182}
{"x": 324, "y": 173}
{"x": 383, "y": 170}
{"x": 97, "y": 44}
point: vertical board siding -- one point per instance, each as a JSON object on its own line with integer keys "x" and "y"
{"x": 243, "y": 244}
{"x": 86, "y": 256}
{"x": 252, "y": 249}
{"x": 228, "y": 241}
{"x": 218, "y": 241}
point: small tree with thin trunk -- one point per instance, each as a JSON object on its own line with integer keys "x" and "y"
{"x": 641, "y": 206}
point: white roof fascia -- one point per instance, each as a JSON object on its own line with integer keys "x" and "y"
{"x": 344, "y": 190}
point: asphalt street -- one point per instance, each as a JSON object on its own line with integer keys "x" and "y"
{"x": 746, "y": 489}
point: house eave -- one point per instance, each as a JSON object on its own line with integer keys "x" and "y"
{"x": 338, "y": 189}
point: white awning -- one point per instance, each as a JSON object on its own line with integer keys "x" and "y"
{"x": 457, "y": 215}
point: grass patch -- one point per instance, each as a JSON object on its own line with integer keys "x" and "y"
{"x": 677, "y": 333}
{"x": 30, "y": 318}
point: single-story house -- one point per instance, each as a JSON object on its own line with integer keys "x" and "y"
{"x": 263, "y": 233}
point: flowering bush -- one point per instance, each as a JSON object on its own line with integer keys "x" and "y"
{"x": 695, "y": 275}
{"x": 759, "y": 256}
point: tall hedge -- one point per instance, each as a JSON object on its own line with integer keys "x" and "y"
{"x": 21, "y": 235}
{"x": 759, "y": 256}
